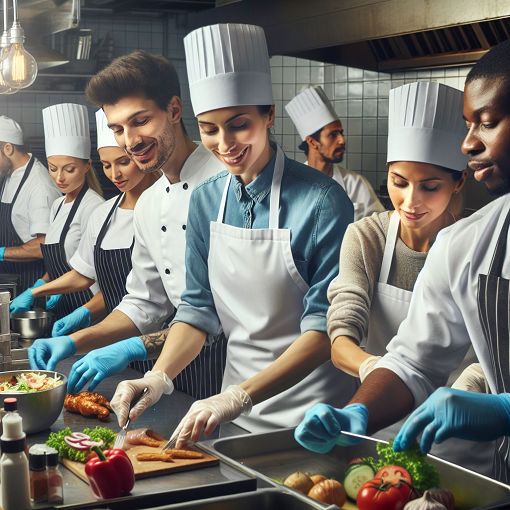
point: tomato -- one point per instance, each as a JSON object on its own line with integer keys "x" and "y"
{"x": 377, "y": 494}
{"x": 393, "y": 474}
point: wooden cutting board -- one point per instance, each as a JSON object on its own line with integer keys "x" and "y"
{"x": 148, "y": 469}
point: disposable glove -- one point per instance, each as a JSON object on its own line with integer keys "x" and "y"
{"x": 53, "y": 301}
{"x": 101, "y": 363}
{"x": 78, "y": 319}
{"x": 472, "y": 378}
{"x": 2, "y": 253}
{"x": 157, "y": 384}
{"x": 321, "y": 427}
{"x": 45, "y": 353}
{"x": 205, "y": 415}
{"x": 25, "y": 300}
{"x": 454, "y": 413}
{"x": 367, "y": 366}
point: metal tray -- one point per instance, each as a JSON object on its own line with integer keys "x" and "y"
{"x": 264, "y": 499}
{"x": 274, "y": 455}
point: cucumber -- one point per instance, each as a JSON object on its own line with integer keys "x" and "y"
{"x": 355, "y": 477}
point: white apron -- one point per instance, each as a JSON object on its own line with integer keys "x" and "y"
{"x": 258, "y": 294}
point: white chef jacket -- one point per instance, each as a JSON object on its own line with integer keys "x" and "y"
{"x": 443, "y": 317}
{"x": 118, "y": 236}
{"x": 359, "y": 190}
{"x": 157, "y": 280}
{"x": 31, "y": 211}
{"x": 91, "y": 200}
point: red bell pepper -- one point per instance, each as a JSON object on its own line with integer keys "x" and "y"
{"x": 110, "y": 473}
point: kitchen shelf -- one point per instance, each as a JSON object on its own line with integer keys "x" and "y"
{"x": 65, "y": 75}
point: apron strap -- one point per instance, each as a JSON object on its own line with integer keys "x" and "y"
{"x": 106, "y": 223}
{"x": 221, "y": 212}
{"x": 389, "y": 247}
{"x": 499, "y": 255}
{"x": 72, "y": 212}
{"x": 23, "y": 180}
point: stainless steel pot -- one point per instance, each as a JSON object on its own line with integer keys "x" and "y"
{"x": 32, "y": 324}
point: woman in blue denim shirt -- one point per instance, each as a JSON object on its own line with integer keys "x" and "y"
{"x": 263, "y": 242}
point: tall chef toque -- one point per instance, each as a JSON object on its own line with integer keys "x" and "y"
{"x": 425, "y": 125}
{"x": 105, "y": 136}
{"x": 66, "y": 130}
{"x": 10, "y": 131}
{"x": 228, "y": 65}
{"x": 310, "y": 111}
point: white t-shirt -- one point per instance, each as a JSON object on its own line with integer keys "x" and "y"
{"x": 77, "y": 229}
{"x": 31, "y": 211}
{"x": 118, "y": 236}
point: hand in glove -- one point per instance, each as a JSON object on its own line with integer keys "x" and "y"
{"x": 367, "y": 366}
{"x": 321, "y": 427}
{"x": 101, "y": 363}
{"x": 472, "y": 378}
{"x": 24, "y": 301}
{"x": 157, "y": 384}
{"x": 78, "y": 319}
{"x": 53, "y": 301}
{"x": 45, "y": 353}
{"x": 454, "y": 413}
{"x": 205, "y": 415}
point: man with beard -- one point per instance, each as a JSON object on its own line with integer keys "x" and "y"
{"x": 26, "y": 195}
{"x": 324, "y": 145}
{"x": 461, "y": 298}
{"x": 139, "y": 94}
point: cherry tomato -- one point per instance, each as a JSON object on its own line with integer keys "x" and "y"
{"x": 393, "y": 474}
{"x": 377, "y": 494}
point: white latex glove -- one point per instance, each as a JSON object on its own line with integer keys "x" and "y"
{"x": 157, "y": 384}
{"x": 367, "y": 366}
{"x": 205, "y": 415}
{"x": 472, "y": 378}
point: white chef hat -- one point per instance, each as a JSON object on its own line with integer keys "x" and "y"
{"x": 425, "y": 125}
{"x": 228, "y": 65}
{"x": 66, "y": 130}
{"x": 310, "y": 111}
{"x": 105, "y": 136}
{"x": 10, "y": 131}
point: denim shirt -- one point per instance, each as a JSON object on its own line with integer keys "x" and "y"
{"x": 314, "y": 207}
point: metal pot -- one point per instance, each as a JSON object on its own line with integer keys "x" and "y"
{"x": 32, "y": 324}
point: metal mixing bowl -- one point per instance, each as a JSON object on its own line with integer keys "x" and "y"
{"x": 32, "y": 324}
{"x": 39, "y": 409}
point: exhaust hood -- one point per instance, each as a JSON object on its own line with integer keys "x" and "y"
{"x": 380, "y": 35}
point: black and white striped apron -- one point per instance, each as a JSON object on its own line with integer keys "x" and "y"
{"x": 28, "y": 272}
{"x": 56, "y": 264}
{"x": 494, "y": 312}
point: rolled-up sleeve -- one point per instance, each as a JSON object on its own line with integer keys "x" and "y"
{"x": 334, "y": 213}
{"x": 41, "y": 200}
{"x": 146, "y": 302}
{"x": 433, "y": 339}
{"x": 83, "y": 258}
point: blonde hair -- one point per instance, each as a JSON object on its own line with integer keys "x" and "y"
{"x": 93, "y": 181}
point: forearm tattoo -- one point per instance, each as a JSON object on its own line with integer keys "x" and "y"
{"x": 154, "y": 342}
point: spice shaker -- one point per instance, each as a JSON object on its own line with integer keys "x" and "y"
{"x": 55, "y": 479}
{"x": 38, "y": 475}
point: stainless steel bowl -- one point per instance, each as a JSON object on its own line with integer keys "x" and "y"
{"x": 32, "y": 324}
{"x": 39, "y": 409}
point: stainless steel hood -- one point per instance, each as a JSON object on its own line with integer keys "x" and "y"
{"x": 382, "y": 35}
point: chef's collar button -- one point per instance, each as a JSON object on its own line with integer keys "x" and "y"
{"x": 167, "y": 271}
{"x": 163, "y": 228}
{"x": 168, "y": 189}
{"x": 185, "y": 185}
{"x": 184, "y": 227}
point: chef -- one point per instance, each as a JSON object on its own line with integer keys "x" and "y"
{"x": 146, "y": 117}
{"x": 262, "y": 246}
{"x": 324, "y": 145}
{"x": 67, "y": 144}
{"x": 26, "y": 195}
{"x": 460, "y": 299}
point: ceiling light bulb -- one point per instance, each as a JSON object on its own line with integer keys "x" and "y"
{"x": 5, "y": 44}
{"x": 19, "y": 68}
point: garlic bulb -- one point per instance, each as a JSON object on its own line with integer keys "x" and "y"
{"x": 426, "y": 502}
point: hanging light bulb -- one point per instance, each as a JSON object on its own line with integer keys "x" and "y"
{"x": 4, "y": 50}
{"x": 19, "y": 68}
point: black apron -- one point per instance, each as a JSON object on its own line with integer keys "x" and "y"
{"x": 28, "y": 272}
{"x": 56, "y": 264}
{"x": 494, "y": 311}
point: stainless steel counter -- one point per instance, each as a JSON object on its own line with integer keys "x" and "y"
{"x": 161, "y": 490}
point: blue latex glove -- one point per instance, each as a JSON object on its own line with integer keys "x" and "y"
{"x": 320, "y": 429}
{"x": 24, "y": 301}
{"x": 455, "y": 413}
{"x": 2, "y": 253}
{"x": 101, "y": 363}
{"x": 53, "y": 301}
{"x": 45, "y": 353}
{"x": 76, "y": 320}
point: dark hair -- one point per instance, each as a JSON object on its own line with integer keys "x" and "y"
{"x": 456, "y": 174}
{"x": 19, "y": 148}
{"x": 139, "y": 73}
{"x": 493, "y": 65}
{"x": 303, "y": 146}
